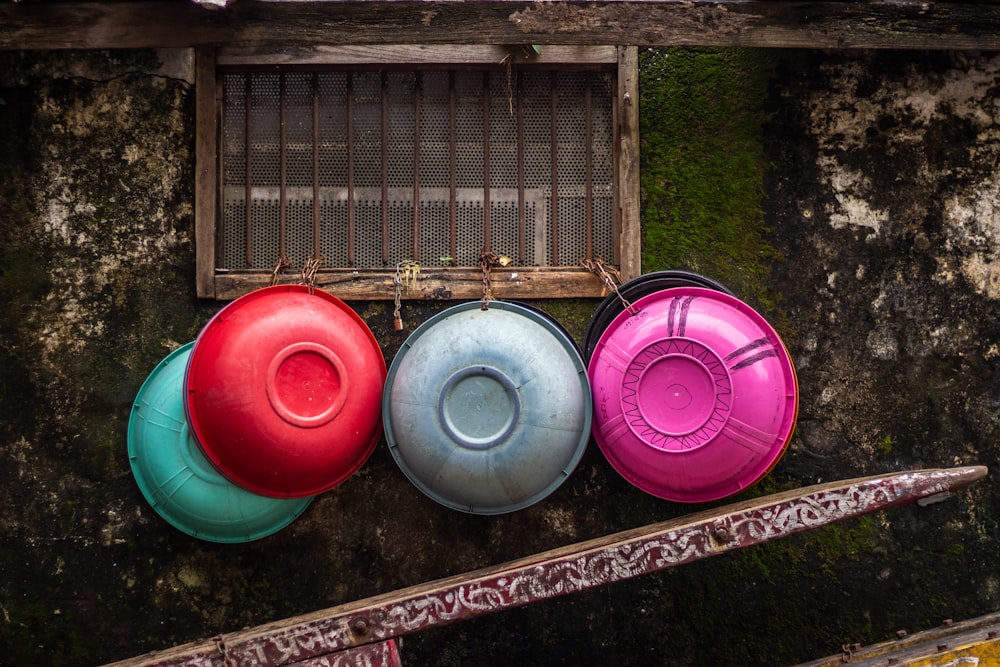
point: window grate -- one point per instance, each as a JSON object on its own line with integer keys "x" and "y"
{"x": 371, "y": 167}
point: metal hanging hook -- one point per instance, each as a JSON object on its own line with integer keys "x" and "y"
{"x": 279, "y": 269}
{"x": 610, "y": 277}
{"x": 489, "y": 260}
{"x": 309, "y": 270}
{"x": 406, "y": 275}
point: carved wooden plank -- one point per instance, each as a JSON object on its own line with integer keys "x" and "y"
{"x": 567, "y": 570}
{"x": 382, "y": 654}
{"x": 889, "y": 24}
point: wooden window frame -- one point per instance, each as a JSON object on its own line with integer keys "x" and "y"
{"x": 512, "y": 282}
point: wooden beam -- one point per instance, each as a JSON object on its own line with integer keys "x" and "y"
{"x": 432, "y": 284}
{"x": 831, "y": 24}
{"x": 569, "y": 569}
{"x": 410, "y": 54}
{"x": 972, "y": 642}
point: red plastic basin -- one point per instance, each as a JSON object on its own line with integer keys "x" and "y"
{"x": 283, "y": 391}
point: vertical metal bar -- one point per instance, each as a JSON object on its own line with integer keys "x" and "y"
{"x": 617, "y": 212}
{"x": 487, "y": 242}
{"x": 521, "y": 241}
{"x": 588, "y": 214}
{"x": 221, "y": 104}
{"x": 452, "y": 171}
{"x": 350, "y": 169}
{"x": 554, "y": 166}
{"x": 282, "y": 168}
{"x": 315, "y": 164}
{"x": 417, "y": 99}
{"x": 385, "y": 168}
{"x": 247, "y": 171}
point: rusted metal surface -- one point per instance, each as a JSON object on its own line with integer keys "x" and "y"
{"x": 567, "y": 570}
{"x": 554, "y": 166}
{"x": 248, "y": 175}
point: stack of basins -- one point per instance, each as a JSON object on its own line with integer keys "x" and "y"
{"x": 695, "y": 394}
{"x": 276, "y": 401}
{"x": 689, "y": 393}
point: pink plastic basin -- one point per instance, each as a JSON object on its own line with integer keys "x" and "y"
{"x": 284, "y": 391}
{"x": 695, "y": 395}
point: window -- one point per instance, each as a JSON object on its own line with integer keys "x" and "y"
{"x": 432, "y": 156}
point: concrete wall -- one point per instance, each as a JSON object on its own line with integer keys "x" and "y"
{"x": 852, "y": 198}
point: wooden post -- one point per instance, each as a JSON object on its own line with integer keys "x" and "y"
{"x": 205, "y": 162}
{"x": 628, "y": 162}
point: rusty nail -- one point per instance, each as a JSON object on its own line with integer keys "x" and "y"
{"x": 947, "y": 622}
{"x": 900, "y": 634}
{"x": 361, "y": 626}
{"x": 942, "y": 647}
{"x": 721, "y": 533}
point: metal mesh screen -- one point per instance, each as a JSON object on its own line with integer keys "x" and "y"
{"x": 373, "y": 167}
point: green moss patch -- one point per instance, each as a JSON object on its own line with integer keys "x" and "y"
{"x": 702, "y": 170}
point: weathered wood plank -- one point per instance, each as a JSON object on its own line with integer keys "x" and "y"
{"x": 409, "y": 54}
{"x": 630, "y": 261}
{"x": 565, "y": 570}
{"x": 205, "y": 164}
{"x": 433, "y": 284}
{"x": 880, "y": 24}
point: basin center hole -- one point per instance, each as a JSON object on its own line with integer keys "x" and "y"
{"x": 676, "y": 394}
{"x": 479, "y": 407}
{"x": 307, "y": 384}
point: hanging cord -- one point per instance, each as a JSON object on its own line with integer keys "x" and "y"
{"x": 527, "y": 51}
{"x": 406, "y": 275}
{"x": 489, "y": 260}
{"x": 508, "y": 61}
{"x": 279, "y": 269}
{"x": 611, "y": 278}
{"x": 309, "y": 270}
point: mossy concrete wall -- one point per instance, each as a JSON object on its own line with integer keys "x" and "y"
{"x": 852, "y": 198}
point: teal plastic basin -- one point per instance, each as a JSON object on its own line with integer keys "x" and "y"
{"x": 176, "y": 478}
